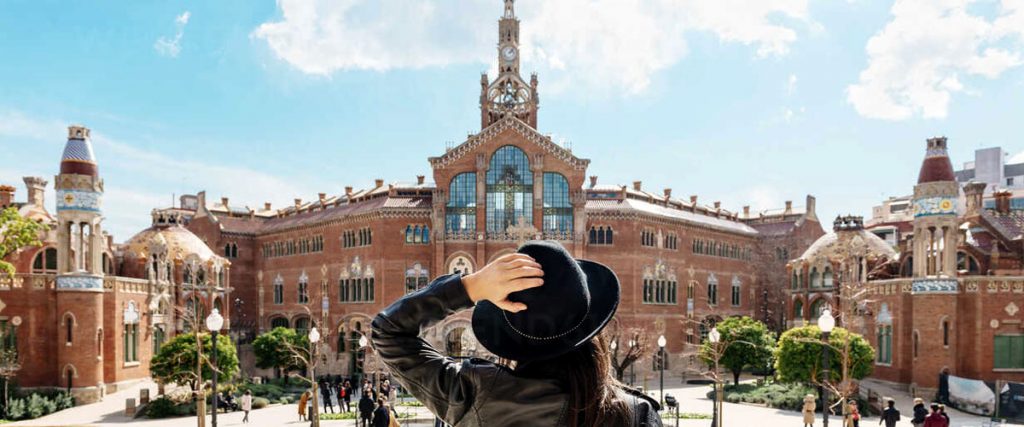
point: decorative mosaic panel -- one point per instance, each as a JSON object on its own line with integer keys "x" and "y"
{"x": 78, "y": 200}
{"x": 79, "y": 150}
{"x": 79, "y": 282}
{"x": 935, "y": 286}
{"x": 934, "y": 206}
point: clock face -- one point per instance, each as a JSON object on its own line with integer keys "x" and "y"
{"x": 509, "y": 53}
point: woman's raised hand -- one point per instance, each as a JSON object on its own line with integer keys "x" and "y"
{"x": 507, "y": 274}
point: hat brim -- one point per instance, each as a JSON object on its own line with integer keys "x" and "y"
{"x": 494, "y": 333}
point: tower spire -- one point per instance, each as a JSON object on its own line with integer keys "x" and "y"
{"x": 508, "y": 94}
{"x": 510, "y": 12}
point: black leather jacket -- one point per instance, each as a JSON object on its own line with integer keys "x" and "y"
{"x": 473, "y": 392}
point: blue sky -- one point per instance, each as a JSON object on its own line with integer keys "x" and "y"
{"x": 738, "y": 101}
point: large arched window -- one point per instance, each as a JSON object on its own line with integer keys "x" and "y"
{"x": 278, "y": 322}
{"x": 815, "y": 278}
{"x": 712, "y": 290}
{"x": 45, "y": 262}
{"x": 826, "y": 277}
{"x": 460, "y": 214}
{"x": 278, "y": 290}
{"x": 816, "y": 307}
{"x": 509, "y": 189}
{"x": 557, "y": 208}
{"x": 798, "y": 310}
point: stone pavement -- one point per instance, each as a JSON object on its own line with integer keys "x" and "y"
{"x": 692, "y": 398}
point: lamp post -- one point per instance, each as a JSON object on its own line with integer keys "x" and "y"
{"x": 214, "y": 322}
{"x": 661, "y": 368}
{"x": 364, "y": 345}
{"x": 826, "y": 322}
{"x": 314, "y": 338}
{"x": 716, "y": 415}
{"x": 632, "y": 372}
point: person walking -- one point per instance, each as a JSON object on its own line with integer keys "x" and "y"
{"x": 539, "y": 307}
{"x": 810, "y": 405}
{"x": 853, "y": 418}
{"x": 326, "y": 394}
{"x": 365, "y": 408}
{"x": 345, "y": 396}
{"x": 381, "y": 416}
{"x": 303, "y": 400}
{"x": 890, "y": 415}
{"x": 935, "y": 419}
{"x": 246, "y": 402}
{"x": 920, "y": 413}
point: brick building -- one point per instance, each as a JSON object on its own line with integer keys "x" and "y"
{"x": 339, "y": 259}
{"x": 85, "y": 314}
{"x": 948, "y": 297}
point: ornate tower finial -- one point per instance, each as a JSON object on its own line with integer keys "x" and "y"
{"x": 508, "y": 94}
{"x": 510, "y": 12}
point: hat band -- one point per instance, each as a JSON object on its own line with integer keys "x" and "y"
{"x": 582, "y": 319}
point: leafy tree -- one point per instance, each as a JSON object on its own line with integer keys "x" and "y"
{"x": 274, "y": 349}
{"x": 799, "y": 353}
{"x": 748, "y": 342}
{"x": 16, "y": 232}
{"x": 176, "y": 360}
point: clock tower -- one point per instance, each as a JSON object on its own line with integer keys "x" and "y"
{"x": 508, "y": 94}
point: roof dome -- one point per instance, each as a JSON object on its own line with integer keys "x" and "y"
{"x": 179, "y": 241}
{"x": 78, "y": 157}
{"x": 840, "y": 245}
{"x": 936, "y": 166}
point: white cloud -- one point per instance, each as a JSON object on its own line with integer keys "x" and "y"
{"x": 171, "y": 46}
{"x": 915, "y": 63}
{"x": 610, "y": 44}
{"x": 791, "y": 84}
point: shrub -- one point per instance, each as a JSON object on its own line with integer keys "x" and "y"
{"x": 283, "y": 401}
{"x": 36, "y": 406}
{"x": 260, "y": 402}
{"x": 161, "y": 407}
{"x": 16, "y": 409}
{"x": 65, "y": 401}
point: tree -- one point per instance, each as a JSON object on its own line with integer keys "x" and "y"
{"x": 623, "y": 354}
{"x": 177, "y": 358}
{"x": 276, "y": 349}
{"x": 16, "y": 232}
{"x": 799, "y": 353}
{"x": 751, "y": 344}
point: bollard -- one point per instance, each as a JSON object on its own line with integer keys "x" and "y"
{"x": 144, "y": 396}
{"x": 129, "y": 407}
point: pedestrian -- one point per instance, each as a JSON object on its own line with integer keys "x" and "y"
{"x": 919, "y": 412}
{"x": 365, "y": 408}
{"x": 246, "y": 402}
{"x": 935, "y": 419}
{"x": 345, "y": 396}
{"x": 853, "y": 417}
{"x": 810, "y": 406}
{"x": 326, "y": 394}
{"x": 890, "y": 415}
{"x": 303, "y": 400}
{"x": 381, "y": 417}
{"x": 538, "y": 307}
{"x": 942, "y": 411}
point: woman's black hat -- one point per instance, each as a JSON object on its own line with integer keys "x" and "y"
{"x": 576, "y": 301}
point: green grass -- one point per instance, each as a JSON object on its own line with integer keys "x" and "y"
{"x": 353, "y": 415}
{"x": 685, "y": 416}
{"x": 415, "y": 403}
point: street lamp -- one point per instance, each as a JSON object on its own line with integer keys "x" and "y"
{"x": 661, "y": 367}
{"x": 715, "y": 337}
{"x": 363, "y": 343}
{"x": 826, "y": 323}
{"x": 214, "y": 322}
{"x": 632, "y": 372}
{"x": 314, "y": 338}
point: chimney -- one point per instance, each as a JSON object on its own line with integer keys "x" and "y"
{"x": 718, "y": 205}
{"x": 693, "y": 200}
{"x": 973, "y": 193}
{"x": 789, "y": 207}
{"x": 6, "y": 195}
{"x": 36, "y": 190}
{"x": 746, "y": 211}
{"x": 266, "y": 206}
{"x": 224, "y": 202}
{"x": 323, "y": 196}
{"x": 637, "y": 185}
{"x": 811, "y": 208}
{"x": 1002, "y": 201}
{"x": 420, "y": 179}
{"x": 379, "y": 183}
{"x": 298, "y": 203}
{"x": 593, "y": 181}
{"x": 348, "y": 191}
{"x": 668, "y": 193}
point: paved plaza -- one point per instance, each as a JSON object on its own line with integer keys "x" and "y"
{"x": 110, "y": 412}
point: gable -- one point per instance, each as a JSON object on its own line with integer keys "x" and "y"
{"x": 528, "y": 134}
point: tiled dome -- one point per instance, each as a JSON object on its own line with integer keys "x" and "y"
{"x": 936, "y": 166}
{"x": 78, "y": 157}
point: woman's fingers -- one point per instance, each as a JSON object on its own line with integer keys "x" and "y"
{"x": 524, "y": 272}
{"x": 521, "y": 261}
{"x": 522, "y": 284}
{"x": 511, "y": 306}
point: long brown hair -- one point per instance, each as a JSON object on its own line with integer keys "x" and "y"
{"x": 592, "y": 387}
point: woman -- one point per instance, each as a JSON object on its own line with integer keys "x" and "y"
{"x": 246, "y": 402}
{"x": 539, "y": 307}
{"x": 854, "y": 416}
{"x": 809, "y": 407}
{"x": 303, "y": 400}
{"x": 381, "y": 417}
{"x": 345, "y": 396}
{"x": 919, "y": 412}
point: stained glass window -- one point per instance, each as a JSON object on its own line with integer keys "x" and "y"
{"x": 557, "y": 208}
{"x": 461, "y": 210}
{"x": 509, "y": 189}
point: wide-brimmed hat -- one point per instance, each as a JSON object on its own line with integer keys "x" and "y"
{"x": 576, "y": 301}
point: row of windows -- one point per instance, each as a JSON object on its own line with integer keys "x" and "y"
{"x": 713, "y": 248}
{"x": 600, "y": 235}
{"x": 307, "y": 245}
{"x": 355, "y": 238}
{"x": 356, "y": 290}
{"x": 825, "y": 279}
{"x": 413, "y": 283}
{"x": 231, "y": 250}
{"x": 671, "y": 241}
{"x": 417, "y": 234}
{"x": 659, "y": 291}
{"x": 647, "y": 238}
